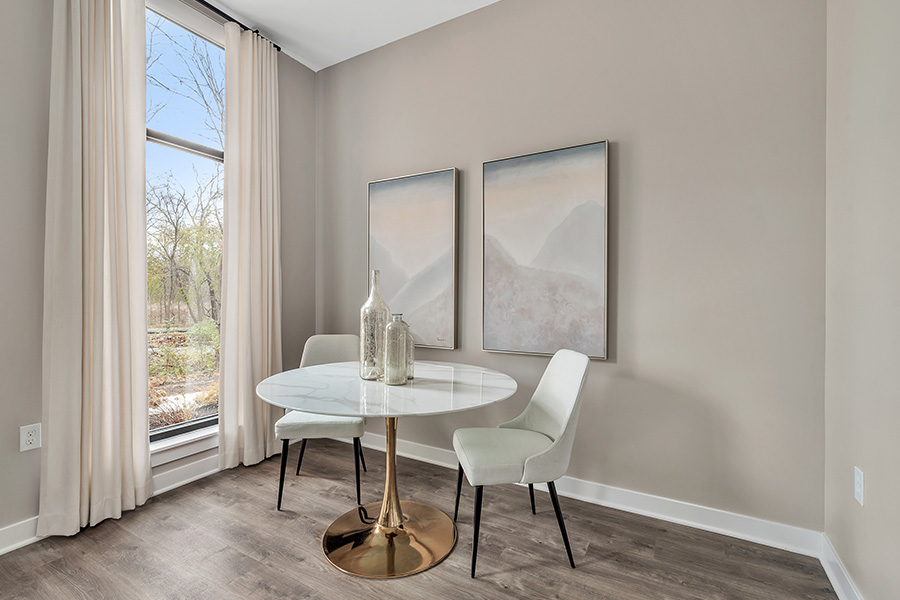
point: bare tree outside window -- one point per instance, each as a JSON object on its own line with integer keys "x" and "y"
{"x": 183, "y": 66}
{"x": 185, "y": 100}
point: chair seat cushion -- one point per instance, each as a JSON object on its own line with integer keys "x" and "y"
{"x": 492, "y": 456}
{"x": 297, "y": 425}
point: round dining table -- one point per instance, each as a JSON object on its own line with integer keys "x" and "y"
{"x": 392, "y": 538}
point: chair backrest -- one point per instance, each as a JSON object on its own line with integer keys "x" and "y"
{"x": 323, "y": 349}
{"x": 553, "y": 411}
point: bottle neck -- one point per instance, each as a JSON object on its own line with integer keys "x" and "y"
{"x": 374, "y": 288}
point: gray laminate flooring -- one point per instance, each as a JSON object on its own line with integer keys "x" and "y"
{"x": 221, "y": 538}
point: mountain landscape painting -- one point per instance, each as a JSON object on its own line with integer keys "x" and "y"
{"x": 412, "y": 241}
{"x": 545, "y": 252}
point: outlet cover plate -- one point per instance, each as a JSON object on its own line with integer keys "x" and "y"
{"x": 29, "y": 437}
{"x": 859, "y": 485}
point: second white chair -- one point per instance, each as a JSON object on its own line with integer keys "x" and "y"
{"x": 297, "y": 425}
{"x": 532, "y": 448}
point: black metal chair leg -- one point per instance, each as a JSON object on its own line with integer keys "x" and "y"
{"x": 559, "y": 517}
{"x": 356, "y": 452}
{"x": 362, "y": 458}
{"x": 458, "y": 487}
{"x": 479, "y": 494}
{"x": 531, "y": 493}
{"x": 302, "y": 450}
{"x": 284, "y": 453}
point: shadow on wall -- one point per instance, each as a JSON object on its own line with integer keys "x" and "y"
{"x": 642, "y": 432}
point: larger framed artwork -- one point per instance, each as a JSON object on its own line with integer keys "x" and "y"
{"x": 545, "y": 245}
{"x": 412, "y": 241}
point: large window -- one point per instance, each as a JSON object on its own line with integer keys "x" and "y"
{"x": 185, "y": 106}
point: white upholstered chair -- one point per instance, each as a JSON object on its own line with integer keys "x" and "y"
{"x": 532, "y": 448}
{"x": 297, "y": 425}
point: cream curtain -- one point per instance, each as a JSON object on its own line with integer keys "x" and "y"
{"x": 250, "y": 337}
{"x": 95, "y": 461}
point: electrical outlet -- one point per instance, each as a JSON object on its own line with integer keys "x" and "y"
{"x": 859, "y": 485}
{"x": 29, "y": 437}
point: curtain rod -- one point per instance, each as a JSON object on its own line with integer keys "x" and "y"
{"x": 228, "y": 17}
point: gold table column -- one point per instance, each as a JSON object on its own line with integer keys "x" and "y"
{"x": 405, "y": 538}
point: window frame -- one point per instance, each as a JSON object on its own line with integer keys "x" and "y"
{"x": 205, "y": 24}
{"x": 206, "y": 28}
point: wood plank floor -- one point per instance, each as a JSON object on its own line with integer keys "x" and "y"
{"x": 222, "y": 538}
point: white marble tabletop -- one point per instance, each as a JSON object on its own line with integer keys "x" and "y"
{"x": 337, "y": 389}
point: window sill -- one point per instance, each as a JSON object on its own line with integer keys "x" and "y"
{"x": 180, "y": 446}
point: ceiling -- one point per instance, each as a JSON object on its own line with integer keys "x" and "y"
{"x": 320, "y": 33}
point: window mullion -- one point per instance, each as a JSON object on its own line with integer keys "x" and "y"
{"x": 171, "y": 141}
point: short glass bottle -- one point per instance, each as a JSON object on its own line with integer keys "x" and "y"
{"x": 396, "y": 342}
{"x": 373, "y": 318}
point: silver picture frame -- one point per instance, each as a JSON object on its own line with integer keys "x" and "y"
{"x": 412, "y": 240}
{"x": 544, "y": 260}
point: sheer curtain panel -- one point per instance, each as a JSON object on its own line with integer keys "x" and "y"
{"x": 250, "y": 337}
{"x": 95, "y": 460}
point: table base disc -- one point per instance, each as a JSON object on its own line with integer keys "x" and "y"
{"x": 356, "y": 545}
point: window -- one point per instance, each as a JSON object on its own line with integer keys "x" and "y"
{"x": 185, "y": 106}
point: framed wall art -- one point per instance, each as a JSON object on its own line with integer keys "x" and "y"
{"x": 412, "y": 241}
{"x": 545, "y": 246}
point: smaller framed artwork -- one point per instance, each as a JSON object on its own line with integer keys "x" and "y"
{"x": 412, "y": 241}
{"x": 545, "y": 246}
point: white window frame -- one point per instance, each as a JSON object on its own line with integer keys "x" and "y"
{"x": 208, "y": 27}
{"x": 196, "y": 436}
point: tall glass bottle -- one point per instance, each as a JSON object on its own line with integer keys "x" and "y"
{"x": 410, "y": 355}
{"x": 373, "y": 317}
{"x": 396, "y": 342}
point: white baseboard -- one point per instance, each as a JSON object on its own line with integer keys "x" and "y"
{"x": 768, "y": 533}
{"x": 837, "y": 574}
{"x": 173, "y": 478}
{"x": 180, "y": 449}
{"x": 18, "y": 534}
{"x": 181, "y": 446}
{"x": 777, "y": 535}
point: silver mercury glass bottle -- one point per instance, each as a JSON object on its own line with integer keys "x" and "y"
{"x": 396, "y": 341}
{"x": 373, "y": 317}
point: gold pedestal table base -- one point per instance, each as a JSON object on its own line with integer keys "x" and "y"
{"x": 357, "y": 545}
{"x": 388, "y": 540}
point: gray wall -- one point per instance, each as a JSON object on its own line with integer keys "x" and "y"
{"x": 25, "y": 71}
{"x": 863, "y": 294}
{"x": 716, "y": 116}
{"x": 297, "y": 136}
{"x": 24, "y": 122}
